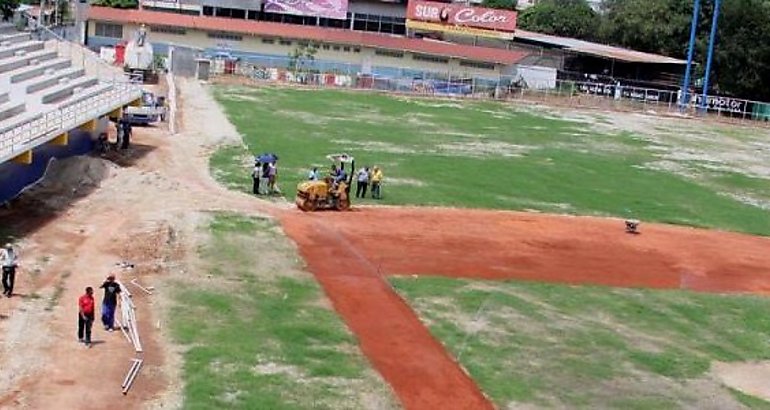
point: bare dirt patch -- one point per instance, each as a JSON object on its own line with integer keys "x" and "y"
{"x": 750, "y": 378}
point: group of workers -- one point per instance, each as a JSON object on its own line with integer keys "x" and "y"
{"x": 9, "y": 261}
{"x": 364, "y": 178}
{"x": 264, "y": 177}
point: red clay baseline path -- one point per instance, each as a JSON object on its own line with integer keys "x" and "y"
{"x": 418, "y": 368}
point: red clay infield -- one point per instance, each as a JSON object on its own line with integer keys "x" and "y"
{"x": 349, "y": 252}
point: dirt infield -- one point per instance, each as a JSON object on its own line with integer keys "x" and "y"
{"x": 350, "y": 253}
{"x": 565, "y": 249}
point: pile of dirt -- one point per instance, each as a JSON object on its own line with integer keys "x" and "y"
{"x": 68, "y": 178}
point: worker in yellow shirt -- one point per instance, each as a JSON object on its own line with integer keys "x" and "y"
{"x": 376, "y": 182}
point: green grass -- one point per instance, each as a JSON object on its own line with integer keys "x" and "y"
{"x": 588, "y": 347}
{"x": 750, "y": 401}
{"x": 255, "y": 333}
{"x": 471, "y": 154}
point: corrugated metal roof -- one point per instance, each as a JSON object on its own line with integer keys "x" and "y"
{"x": 320, "y": 34}
{"x": 596, "y": 49}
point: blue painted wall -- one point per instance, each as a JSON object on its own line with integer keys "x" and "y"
{"x": 15, "y": 177}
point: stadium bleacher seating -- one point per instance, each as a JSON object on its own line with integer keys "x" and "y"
{"x": 45, "y": 90}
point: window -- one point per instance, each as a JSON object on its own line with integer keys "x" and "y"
{"x": 108, "y": 30}
{"x": 168, "y": 29}
{"x": 346, "y": 49}
{"x": 268, "y": 41}
{"x": 225, "y": 36}
{"x": 303, "y": 43}
{"x": 336, "y": 48}
{"x": 253, "y": 15}
{"x": 325, "y": 46}
{"x": 379, "y": 24}
{"x": 388, "y": 53}
{"x": 208, "y": 11}
{"x": 284, "y": 42}
{"x": 478, "y": 64}
{"x": 430, "y": 59}
{"x": 356, "y": 50}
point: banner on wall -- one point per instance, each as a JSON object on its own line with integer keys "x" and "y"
{"x": 468, "y": 31}
{"x": 334, "y": 9}
{"x": 458, "y": 14}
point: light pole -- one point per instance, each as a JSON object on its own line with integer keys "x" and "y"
{"x": 685, "y": 93}
{"x": 712, "y": 39}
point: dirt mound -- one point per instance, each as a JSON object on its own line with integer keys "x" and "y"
{"x": 69, "y": 178}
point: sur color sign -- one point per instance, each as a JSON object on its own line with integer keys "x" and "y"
{"x": 459, "y": 14}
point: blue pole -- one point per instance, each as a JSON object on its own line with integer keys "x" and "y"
{"x": 712, "y": 39}
{"x": 686, "y": 86}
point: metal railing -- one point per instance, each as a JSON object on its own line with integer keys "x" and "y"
{"x": 116, "y": 89}
{"x": 38, "y": 130}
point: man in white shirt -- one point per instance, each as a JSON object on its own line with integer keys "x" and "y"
{"x": 9, "y": 261}
{"x": 362, "y": 179}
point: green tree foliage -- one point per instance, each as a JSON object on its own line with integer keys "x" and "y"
{"x": 570, "y": 18}
{"x": 118, "y": 4}
{"x": 301, "y": 55}
{"x": 7, "y": 7}
{"x": 742, "y": 51}
{"x": 501, "y": 4}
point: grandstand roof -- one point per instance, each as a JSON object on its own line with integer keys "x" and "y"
{"x": 596, "y": 49}
{"x": 320, "y": 34}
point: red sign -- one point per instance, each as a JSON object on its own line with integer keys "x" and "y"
{"x": 459, "y": 14}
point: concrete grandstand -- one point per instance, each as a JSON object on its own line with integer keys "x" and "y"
{"x": 55, "y": 99}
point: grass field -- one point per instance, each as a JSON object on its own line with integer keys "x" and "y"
{"x": 257, "y": 332}
{"x": 539, "y": 344}
{"x": 592, "y": 347}
{"x": 490, "y": 155}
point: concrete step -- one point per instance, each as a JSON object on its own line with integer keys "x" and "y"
{"x": 26, "y": 59}
{"x": 8, "y": 39}
{"x": 27, "y": 46}
{"x": 36, "y": 70}
{"x": 8, "y": 110}
{"x": 56, "y": 77}
{"x": 84, "y": 94}
{"x": 68, "y": 89}
{"x": 7, "y": 28}
{"x": 4, "y": 98}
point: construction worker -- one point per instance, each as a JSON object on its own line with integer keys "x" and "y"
{"x": 256, "y": 176}
{"x": 376, "y": 182}
{"x": 86, "y": 316}
{"x": 9, "y": 260}
{"x": 110, "y": 302}
{"x": 362, "y": 182}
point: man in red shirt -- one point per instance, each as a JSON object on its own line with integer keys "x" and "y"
{"x": 86, "y": 316}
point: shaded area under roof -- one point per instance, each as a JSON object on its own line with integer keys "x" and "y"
{"x": 312, "y": 33}
{"x": 596, "y": 49}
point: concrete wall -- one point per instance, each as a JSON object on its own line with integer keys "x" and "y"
{"x": 255, "y": 48}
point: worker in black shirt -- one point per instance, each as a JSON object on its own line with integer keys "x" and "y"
{"x": 111, "y": 291}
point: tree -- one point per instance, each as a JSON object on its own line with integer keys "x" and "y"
{"x": 569, "y": 18}
{"x": 501, "y": 4}
{"x": 7, "y": 8}
{"x": 302, "y": 54}
{"x": 741, "y": 54}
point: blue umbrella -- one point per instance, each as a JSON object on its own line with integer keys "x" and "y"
{"x": 267, "y": 158}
